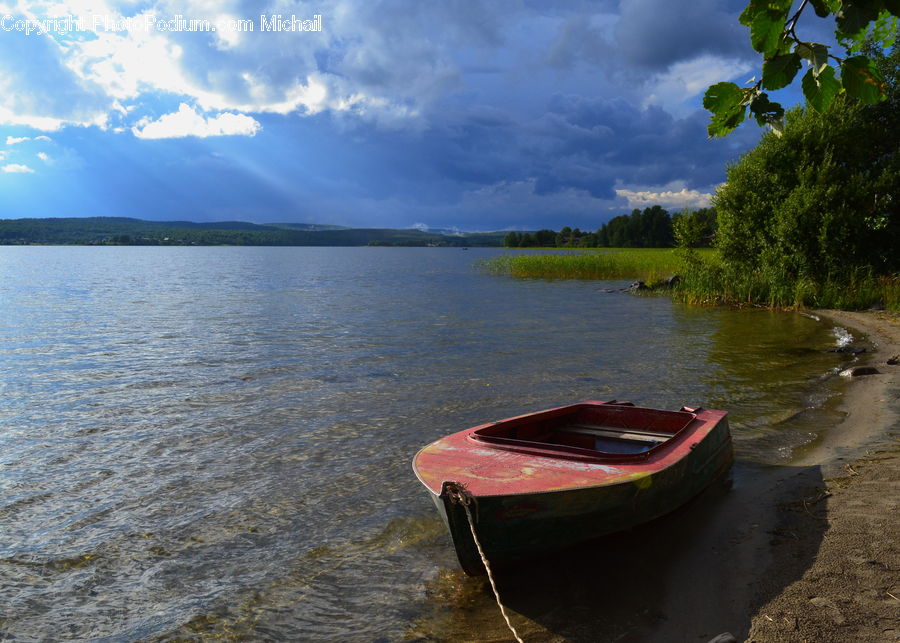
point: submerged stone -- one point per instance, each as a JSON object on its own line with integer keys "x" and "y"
{"x": 856, "y": 371}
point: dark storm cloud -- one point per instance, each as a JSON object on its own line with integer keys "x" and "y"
{"x": 579, "y": 41}
{"x": 649, "y": 35}
{"x": 579, "y": 143}
{"x": 582, "y": 138}
{"x": 657, "y": 33}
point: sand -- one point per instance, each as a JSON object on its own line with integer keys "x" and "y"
{"x": 843, "y": 540}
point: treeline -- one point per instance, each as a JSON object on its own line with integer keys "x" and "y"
{"x": 652, "y": 227}
{"x": 811, "y": 217}
{"x": 137, "y": 232}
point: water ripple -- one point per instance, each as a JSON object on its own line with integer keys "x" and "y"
{"x": 215, "y": 442}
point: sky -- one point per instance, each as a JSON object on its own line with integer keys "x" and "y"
{"x": 476, "y": 116}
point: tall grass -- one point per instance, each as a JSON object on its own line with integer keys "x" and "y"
{"x": 705, "y": 279}
{"x": 650, "y": 265}
{"x": 710, "y": 281}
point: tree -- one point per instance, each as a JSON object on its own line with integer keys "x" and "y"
{"x": 651, "y": 228}
{"x": 656, "y": 228}
{"x": 564, "y": 237}
{"x": 819, "y": 203}
{"x": 512, "y": 239}
{"x": 694, "y": 228}
{"x": 545, "y": 238}
{"x": 773, "y": 34}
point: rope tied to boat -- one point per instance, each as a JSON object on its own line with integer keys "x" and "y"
{"x": 458, "y": 494}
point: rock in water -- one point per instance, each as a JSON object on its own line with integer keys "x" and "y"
{"x": 856, "y": 371}
{"x": 849, "y": 350}
{"x": 724, "y": 637}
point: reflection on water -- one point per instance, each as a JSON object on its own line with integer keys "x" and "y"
{"x": 216, "y": 441}
{"x": 774, "y": 374}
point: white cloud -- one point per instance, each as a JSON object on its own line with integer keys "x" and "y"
{"x": 188, "y": 122}
{"x": 37, "y": 88}
{"x": 679, "y": 199}
{"x": 63, "y": 159}
{"x": 383, "y": 64}
{"x": 16, "y": 168}
{"x": 15, "y": 140}
{"x": 45, "y": 123}
{"x": 686, "y": 79}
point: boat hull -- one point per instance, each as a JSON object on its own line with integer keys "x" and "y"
{"x": 515, "y": 526}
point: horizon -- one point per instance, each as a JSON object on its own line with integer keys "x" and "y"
{"x": 389, "y": 114}
{"x": 320, "y": 224}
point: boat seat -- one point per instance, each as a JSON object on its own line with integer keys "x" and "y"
{"x": 639, "y": 435}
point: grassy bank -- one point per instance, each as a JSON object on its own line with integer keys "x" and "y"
{"x": 705, "y": 279}
{"x": 650, "y": 265}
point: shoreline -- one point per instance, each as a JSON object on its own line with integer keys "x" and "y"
{"x": 835, "y": 554}
{"x": 767, "y": 557}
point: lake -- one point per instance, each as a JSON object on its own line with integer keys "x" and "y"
{"x": 216, "y": 442}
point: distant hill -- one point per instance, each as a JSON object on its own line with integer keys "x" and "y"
{"x": 312, "y": 227}
{"x": 126, "y": 231}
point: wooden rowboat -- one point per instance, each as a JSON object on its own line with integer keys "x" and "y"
{"x": 554, "y": 478}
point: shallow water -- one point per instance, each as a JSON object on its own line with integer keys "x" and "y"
{"x": 203, "y": 442}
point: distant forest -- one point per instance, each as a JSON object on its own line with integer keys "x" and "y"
{"x": 651, "y": 228}
{"x": 136, "y": 232}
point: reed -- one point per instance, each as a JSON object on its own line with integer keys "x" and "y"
{"x": 709, "y": 281}
{"x": 705, "y": 279}
{"x": 650, "y": 265}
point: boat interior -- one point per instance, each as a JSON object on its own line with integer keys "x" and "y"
{"x": 604, "y": 430}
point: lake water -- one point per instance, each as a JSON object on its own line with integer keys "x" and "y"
{"x": 216, "y": 442}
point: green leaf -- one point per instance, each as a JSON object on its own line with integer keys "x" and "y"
{"x": 765, "y": 111}
{"x": 780, "y": 71}
{"x": 722, "y": 97}
{"x": 884, "y": 31}
{"x": 722, "y": 125}
{"x": 820, "y": 89}
{"x": 855, "y": 16}
{"x": 821, "y": 7}
{"x": 861, "y": 79}
{"x": 815, "y": 53}
{"x": 725, "y": 101}
{"x": 766, "y": 20}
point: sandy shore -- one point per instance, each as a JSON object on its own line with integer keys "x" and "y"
{"x": 841, "y": 543}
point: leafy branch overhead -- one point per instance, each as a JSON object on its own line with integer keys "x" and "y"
{"x": 773, "y": 34}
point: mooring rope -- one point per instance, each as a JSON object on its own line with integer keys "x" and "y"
{"x": 459, "y": 494}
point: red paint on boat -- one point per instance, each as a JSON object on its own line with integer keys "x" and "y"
{"x": 490, "y": 469}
